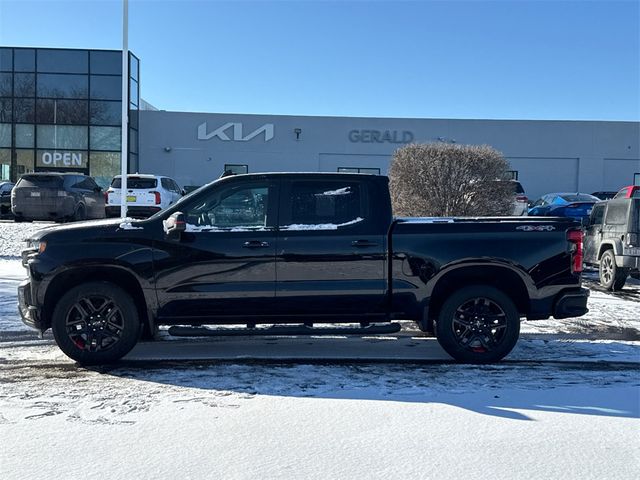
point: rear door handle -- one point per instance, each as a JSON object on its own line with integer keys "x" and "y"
{"x": 363, "y": 243}
{"x": 255, "y": 244}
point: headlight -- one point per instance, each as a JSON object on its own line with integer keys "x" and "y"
{"x": 39, "y": 245}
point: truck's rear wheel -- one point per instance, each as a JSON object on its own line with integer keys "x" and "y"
{"x": 96, "y": 323}
{"x": 612, "y": 277}
{"x": 478, "y": 324}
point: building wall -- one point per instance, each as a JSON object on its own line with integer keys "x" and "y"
{"x": 60, "y": 110}
{"x": 549, "y": 156}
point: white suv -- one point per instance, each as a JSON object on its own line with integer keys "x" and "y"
{"x": 146, "y": 195}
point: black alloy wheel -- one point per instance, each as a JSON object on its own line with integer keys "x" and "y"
{"x": 96, "y": 323}
{"x": 478, "y": 324}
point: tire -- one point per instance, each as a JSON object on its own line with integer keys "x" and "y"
{"x": 478, "y": 324}
{"x": 612, "y": 277}
{"x": 96, "y": 323}
{"x": 80, "y": 214}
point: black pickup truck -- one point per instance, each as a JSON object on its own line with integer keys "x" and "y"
{"x": 300, "y": 250}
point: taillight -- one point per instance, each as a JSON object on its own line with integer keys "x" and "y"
{"x": 157, "y": 194}
{"x": 106, "y": 197}
{"x": 521, "y": 198}
{"x": 577, "y": 255}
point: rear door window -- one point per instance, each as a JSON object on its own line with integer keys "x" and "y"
{"x": 617, "y": 213}
{"x": 325, "y": 205}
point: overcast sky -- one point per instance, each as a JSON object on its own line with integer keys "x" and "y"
{"x": 503, "y": 59}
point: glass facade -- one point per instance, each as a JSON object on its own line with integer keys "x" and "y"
{"x": 60, "y": 110}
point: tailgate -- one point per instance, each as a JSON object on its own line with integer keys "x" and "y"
{"x": 135, "y": 197}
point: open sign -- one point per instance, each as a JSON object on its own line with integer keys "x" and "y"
{"x": 77, "y": 160}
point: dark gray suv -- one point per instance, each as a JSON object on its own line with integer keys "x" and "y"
{"x": 612, "y": 240}
{"x": 56, "y": 196}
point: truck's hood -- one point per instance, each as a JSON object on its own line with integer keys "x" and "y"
{"x": 91, "y": 227}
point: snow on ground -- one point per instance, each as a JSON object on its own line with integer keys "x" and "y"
{"x": 564, "y": 404}
{"x": 318, "y": 421}
{"x": 13, "y": 235}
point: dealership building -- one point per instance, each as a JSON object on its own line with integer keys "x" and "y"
{"x": 60, "y": 110}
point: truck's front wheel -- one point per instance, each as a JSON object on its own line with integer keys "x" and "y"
{"x": 478, "y": 324}
{"x": 96, "y": 323}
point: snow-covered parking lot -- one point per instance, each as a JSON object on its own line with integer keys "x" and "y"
{"x": 564, "y": 404}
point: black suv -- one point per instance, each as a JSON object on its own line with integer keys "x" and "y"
{"x": 56, "y": 196}
{"x": 612, "y": 240}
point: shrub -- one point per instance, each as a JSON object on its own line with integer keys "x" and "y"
{"x": 441, "y": 179}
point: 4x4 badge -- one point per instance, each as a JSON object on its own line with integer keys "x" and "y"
{"x": 536, "y": 228}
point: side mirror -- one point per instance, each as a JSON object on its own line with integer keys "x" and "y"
{"x": 585, "y": 221}
{"x": 97, "y": 189}
{"x": 174, "y": 225}
{"x": 183, "y": 192}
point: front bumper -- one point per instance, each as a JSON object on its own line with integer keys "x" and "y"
{"x": 28, "y": 312}
{"x": 571, "y": 304}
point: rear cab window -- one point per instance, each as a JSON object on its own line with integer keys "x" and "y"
{"x": 580, "y": 198}
{"x": 135, "y": 183}
{"x": 40, "y": 181}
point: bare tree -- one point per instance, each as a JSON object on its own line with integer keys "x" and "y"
{"x": 441, "y": 179}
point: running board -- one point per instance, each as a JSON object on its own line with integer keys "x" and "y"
{"x": 178, "y": 331}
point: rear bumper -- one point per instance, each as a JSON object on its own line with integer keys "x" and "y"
{"x": 571, "y": 304}
{"x": 565, "y": 304}
{"x": 34, "y": 210}
{"x": 628, "y": 261}
{"x": 132, "y": 211}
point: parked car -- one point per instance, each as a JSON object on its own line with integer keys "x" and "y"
{"x": 604, "y": 195}
{"x": 572, "y": 205}
{"x": 632, "y": 191}
{"x": 612, "y": 240}
{"x": 56, "y": 196}
{"x": 520, "y": 200}
{"x": 340, "y": 256}
{"x": 5, "y": 198}
{"x": 146, "y": 195}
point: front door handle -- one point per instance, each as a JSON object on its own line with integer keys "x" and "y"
{"x": 363, "y": 243}
{"x": 255, "y": 244}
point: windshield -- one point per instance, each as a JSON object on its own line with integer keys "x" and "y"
{"x": 135, "y": 182}
{"x": 42, "y": 181}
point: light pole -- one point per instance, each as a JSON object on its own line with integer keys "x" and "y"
{"x": 124, "y": 154}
